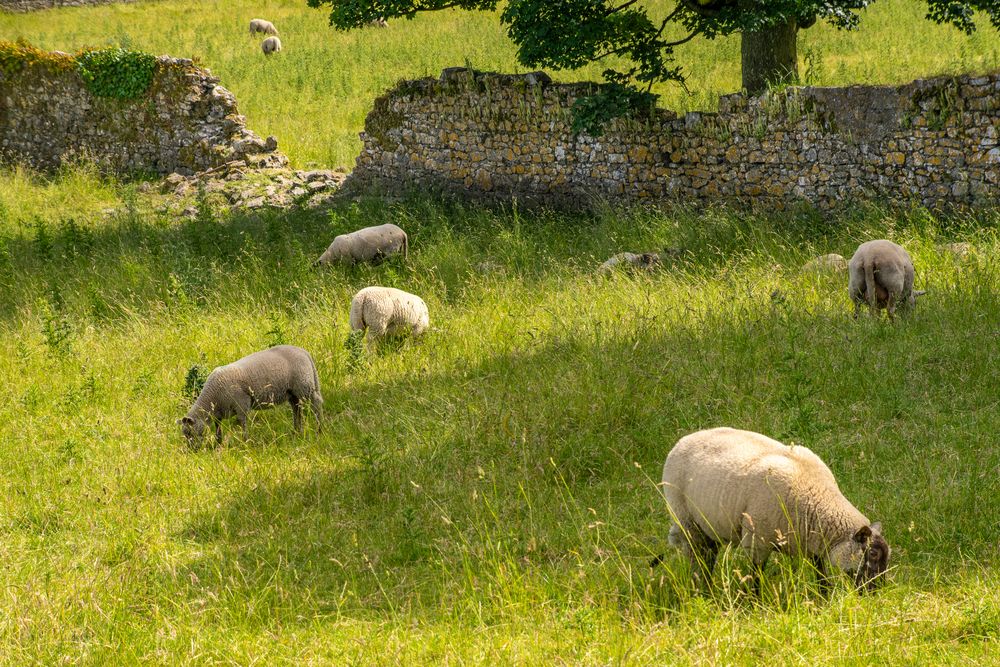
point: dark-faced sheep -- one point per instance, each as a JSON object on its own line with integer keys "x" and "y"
{"x": 261, "y": 380}
{"x": 881, "y": 274}
{"x": 726, "y": 486}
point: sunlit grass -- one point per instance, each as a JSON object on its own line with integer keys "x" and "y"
{"x": 314, "y": 97}
{"x": 485, "y": 493}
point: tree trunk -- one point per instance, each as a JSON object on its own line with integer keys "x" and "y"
{"x": 769, "y": 57}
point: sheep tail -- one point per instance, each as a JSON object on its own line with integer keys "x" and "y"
{"x": 358, "y": 313}
{"x": 871, "y": 294}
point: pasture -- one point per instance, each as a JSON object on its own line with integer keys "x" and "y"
{"x": 485, "y": 493}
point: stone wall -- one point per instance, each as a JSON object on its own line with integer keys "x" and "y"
{"x": 32, "y": 5}
{"x": 184, "y": 122}
{"x": 934, "y": 142}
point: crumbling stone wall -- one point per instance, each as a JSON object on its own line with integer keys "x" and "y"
{"x": 934, "y": 142}
{"x": 32, "y": 5}
{"x": 185, "y": 122}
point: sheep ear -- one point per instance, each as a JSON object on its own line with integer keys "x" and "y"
{"x": 185, "y": 420}
{"x": 863, "y": 535}
{"x": 876, "y": 528}
{"x": 919, "y": 292}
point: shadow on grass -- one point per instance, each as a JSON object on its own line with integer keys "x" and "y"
{"x": 528, "y": 480}
{"x": 103, "y": 271}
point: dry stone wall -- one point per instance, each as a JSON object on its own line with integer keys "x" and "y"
{"x": 933, "y": 141}
{"x": 32, "y": 5}
{"x": 185, "y": 122}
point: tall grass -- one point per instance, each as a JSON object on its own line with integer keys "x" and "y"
{"x": 486, "y": 492}
{"x": 315, "y": 95}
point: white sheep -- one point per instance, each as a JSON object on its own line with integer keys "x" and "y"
{"x": 646, "y": 261}
{"x": 371, "y": 244}
{"x": 270, "y": 45}
{"x": 388, "y": 311}
{"x": 881, "y": 274}
{"x": 262, "y": 26}
{"x": 257, "y": 381}
{"x": 738, "y": 487}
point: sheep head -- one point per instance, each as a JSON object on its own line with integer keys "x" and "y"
{"x": 874, "y": 558}
{"x": 193, "y": 429}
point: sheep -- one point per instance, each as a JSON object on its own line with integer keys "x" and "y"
{"x": 646, "y": 261}
{"x": 387, "y": 311}
{"x": 826, "y": 263}
{"x": 257, "y": 381}
{"x": 270, "y": 45}
{"x": 371, "y": 244}
{"x": 262, "y": 26}
{"x": 881, "y": 274}
{"x": 724, "y": 485}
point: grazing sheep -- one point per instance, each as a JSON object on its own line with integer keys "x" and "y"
{"x": 959, "y": 251}
{"x": 371, "y": 244}
{"x": 646, "y": 261}
{"x": 881, "y": 274}
{"x": 825, "y": 263}
{"x": 387, "y": 311}
{"x": 257, "y": 381}
{"x": 262, "y": 26}
{"x": 378, "y": 23}
{"x": 738, "y": 487}
{"x": 270, "y": 45}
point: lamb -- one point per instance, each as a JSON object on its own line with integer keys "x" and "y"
{"x": 262, "y": 26}
{"x": 257, "y": 381}
{"x": 881, "y": 274}
{"x": 646, "y": 261}
{"x": 387, "y": 311}
{"x": 371, "y": 244}
{"x": 724, "y": 485}
{"x": 270, "y": 45}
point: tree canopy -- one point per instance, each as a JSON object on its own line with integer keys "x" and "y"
{"x": 566, "y": 34}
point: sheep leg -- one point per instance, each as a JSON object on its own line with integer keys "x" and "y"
{"x": 218, "y": 431}
{"x": 891, "y": 305}
{"x": 296, "y": 413}
{"x": 700, "y": 550}
{"x": 857, "y": 307}
{"x": 703, "y": 557}
{"x": 317, "y": 410}
{"x": 242, "y": 419}
{"x": 822, "y": 575}
{"x": 759, "y": 550}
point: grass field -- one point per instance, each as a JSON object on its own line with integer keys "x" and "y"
{"x": 486, "y": 493}
{"x": 315, "y": 96}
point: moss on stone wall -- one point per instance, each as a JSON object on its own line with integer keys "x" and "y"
{"x": 126, "y": 111}
{"x": 16, "y": 57}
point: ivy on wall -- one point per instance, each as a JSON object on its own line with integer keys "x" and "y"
{"x": 116, "y": 72}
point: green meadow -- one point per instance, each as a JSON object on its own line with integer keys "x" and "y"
{"x": 485, "y": 493}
